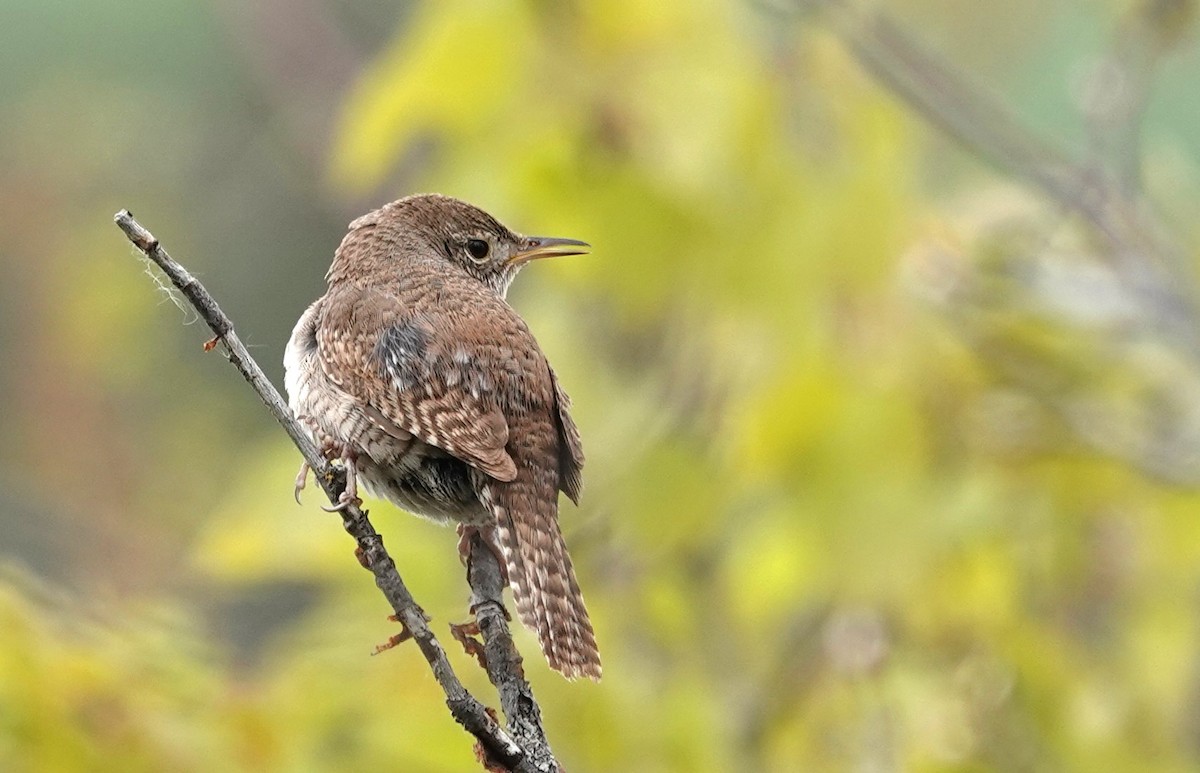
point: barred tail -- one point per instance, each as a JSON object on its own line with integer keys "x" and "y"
{"x": 549, "y": 601}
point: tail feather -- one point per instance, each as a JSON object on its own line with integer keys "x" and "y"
{"x": 548, "y": 597}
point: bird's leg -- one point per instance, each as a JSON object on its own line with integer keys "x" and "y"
{"x": 301, "y": 481}
{"x": 486, "y": 533}
{"x": 351, "y": 491}
{"x": 350, "y": 495}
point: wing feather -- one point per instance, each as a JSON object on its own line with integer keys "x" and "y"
{"x": 407, "y": 385}
{"x": 570, "y": 445}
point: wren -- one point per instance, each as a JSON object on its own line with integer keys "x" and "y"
{"x": 414, "y": 371}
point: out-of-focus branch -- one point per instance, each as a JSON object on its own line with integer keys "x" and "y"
{"x": 1151, "y": 262}
{"x": 501, "y": 751}
{"x": 1096, "y": 190}
{"x": 940, "y": 95}
{"x": 1117, "y": 91}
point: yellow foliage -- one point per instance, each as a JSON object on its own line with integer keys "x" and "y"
{"x": 878, "y": 478}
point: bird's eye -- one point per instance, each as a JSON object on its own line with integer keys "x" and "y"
{"x": 478, "y": 248}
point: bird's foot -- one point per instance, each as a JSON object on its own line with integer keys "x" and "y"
{"x": 345, "y": 500}
{"x": 350, "y": 495}
{"x": 465, "y": 634}
{"x": 486, "y": 533}
{"x": 301, "y": 481}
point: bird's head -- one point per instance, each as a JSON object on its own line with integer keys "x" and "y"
{"x": 442, "y": 228}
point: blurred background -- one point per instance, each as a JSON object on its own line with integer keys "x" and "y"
{"x": 887, "y": 363}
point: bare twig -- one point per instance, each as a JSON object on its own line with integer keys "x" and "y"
{"x": 502, "y": 659}
{"x": 533, "y": 754}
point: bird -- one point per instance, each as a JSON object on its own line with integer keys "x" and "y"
{"x": 415, "y": 372}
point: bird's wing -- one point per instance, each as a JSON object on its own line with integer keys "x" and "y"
{"x": 570, "y": 445}
{"x": 387, "y": 357}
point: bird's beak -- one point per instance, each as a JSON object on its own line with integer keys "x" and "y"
{"x": 537, "y": 247}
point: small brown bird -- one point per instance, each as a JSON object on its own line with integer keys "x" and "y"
{"x": 417, "y": 374}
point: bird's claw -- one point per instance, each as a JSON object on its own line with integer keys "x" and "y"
{"x": 350, "y": 495}
{"x": 345, "y": 500}
{"x": 301, "y": 481}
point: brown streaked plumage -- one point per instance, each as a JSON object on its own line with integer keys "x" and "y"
{"x": 414, "y": 370}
